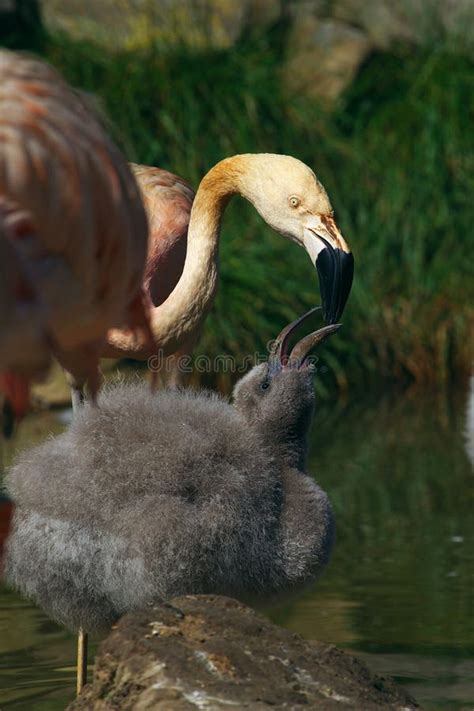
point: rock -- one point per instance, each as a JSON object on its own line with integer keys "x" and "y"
{"x": 96, "y": 21}
{"x": 219, "y": 24}
{"x": 216, "y": 24}
{"x": 214, "y": 653}
{"x": 323, "y": 57}
{"x": 296, "y": 8}
{"x": 328, "y": 40}
{"x": 389, "y": 21}
{"x": 383, "y": 21}
{"x": 262, "y": 13}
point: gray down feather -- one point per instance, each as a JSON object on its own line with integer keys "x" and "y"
{"x": 153, "y": 495}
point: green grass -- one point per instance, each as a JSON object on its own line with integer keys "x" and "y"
{"x": 396, "y": 156}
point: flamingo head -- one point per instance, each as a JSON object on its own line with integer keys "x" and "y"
{"x": 290, "y": 198}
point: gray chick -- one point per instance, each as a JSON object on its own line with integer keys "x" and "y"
{"x": 154, "y": 495}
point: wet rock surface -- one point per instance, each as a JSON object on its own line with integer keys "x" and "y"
{"x": 208, "y": 652}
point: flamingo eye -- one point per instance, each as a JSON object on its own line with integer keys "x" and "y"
{"x": 294, "y": 201}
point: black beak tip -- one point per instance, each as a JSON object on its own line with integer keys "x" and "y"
{"x": 336, "y": 271}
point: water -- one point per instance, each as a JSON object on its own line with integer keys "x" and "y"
{"x": 399, "y": 591}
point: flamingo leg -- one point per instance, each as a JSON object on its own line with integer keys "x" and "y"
{"x": 77, "y": 401}
{"x": 81, "y": 676}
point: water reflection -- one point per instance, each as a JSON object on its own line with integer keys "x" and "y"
{"x": 399, "y": 590}
{"x": 400, "y": 585}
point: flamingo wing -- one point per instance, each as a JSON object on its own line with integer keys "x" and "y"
{"x": 168, "y": 200}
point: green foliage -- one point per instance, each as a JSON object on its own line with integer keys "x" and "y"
{"x": 396, "y": 156}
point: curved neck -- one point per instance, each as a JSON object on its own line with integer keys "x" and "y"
{"x": 180, "y": 316}
{"x": 188, "y": 304}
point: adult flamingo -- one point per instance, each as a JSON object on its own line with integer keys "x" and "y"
{"x": 73, "y": 223}
{"x": 181, "y": 273}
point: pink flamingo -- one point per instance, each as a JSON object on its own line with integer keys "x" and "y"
{"x": 73, "y": 224}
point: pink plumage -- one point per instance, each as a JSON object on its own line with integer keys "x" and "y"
{"x": 168, "y": 200}
{"x": 82, "y": 240}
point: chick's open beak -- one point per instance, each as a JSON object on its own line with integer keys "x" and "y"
{"x": 279, "y": 352}
{"x": 333, "y": 260}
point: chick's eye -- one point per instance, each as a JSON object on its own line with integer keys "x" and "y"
{"x": 265, "y": 385}
{"x": 294, "y": 201}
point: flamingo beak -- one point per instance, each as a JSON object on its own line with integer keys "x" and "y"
{"x": 333, "y": 259}
{"x": 280, "y": 346}
{"x": 302, "y": 350}
{"x": 279, "y": 352}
